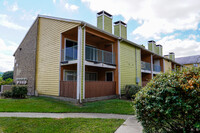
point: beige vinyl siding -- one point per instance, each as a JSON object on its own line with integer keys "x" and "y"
{"x": 128, "y": 65}
{"x": 168, "y": 66}
{"x": 48, "y": 55}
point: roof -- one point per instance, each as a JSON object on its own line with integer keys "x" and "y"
{"x": 120, "y": 22}
{"x": 104, "y": 12}
{"x": 100, "y": 30}
{"x": 188, "y": 59}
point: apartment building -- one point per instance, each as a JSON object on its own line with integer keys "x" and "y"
{"x": 189, "y": 61}
{"x": 77, "y": 61}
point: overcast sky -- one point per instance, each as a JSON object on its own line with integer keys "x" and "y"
{"x": 175, "y": 24}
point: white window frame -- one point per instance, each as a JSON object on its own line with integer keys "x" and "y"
{"x": 65, "y": 78}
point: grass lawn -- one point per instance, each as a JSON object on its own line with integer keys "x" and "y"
{"x": 67, "y": 125}
{"x": 44, "y": 104}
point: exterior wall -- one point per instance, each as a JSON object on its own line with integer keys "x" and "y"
{"x": 172, "y": 57}
{"x": 107, "y": 24}
{"x": 152, "y": 47}
{"x": 116, "y": 30}
{"x": 25, "y": 58}
{"x": 100, "y": 22}
{"x": 157, "y": 50}
{"x": 48, "y": 55}
{"x": 168, "y": 66}
{"x": 123, "y": 32}
{"x": 128, "y": 65}
{"x": 190, "y": 65}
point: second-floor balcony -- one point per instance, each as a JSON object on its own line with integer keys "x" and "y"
{"x": 92, "y": 54}
{"x": 98, "y": 55}
{"x": 147, "y": 67}
{"x": 156, "y": 68}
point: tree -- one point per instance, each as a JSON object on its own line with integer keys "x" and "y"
{"x": 8, "y": 74}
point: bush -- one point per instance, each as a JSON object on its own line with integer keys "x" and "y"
{"x": 7, "y": 94}
{"x": 19, "y": 91}
{"x": 131, "y": 90}
{"x": 170, "y": 102}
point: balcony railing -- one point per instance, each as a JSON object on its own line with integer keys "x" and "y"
{"x": 92, "y": 54}
{"x": 156, "y": 68}
{"x": 70, "y": 53}
{"x": 145, "y": 66}
{"x": 97, "y": 55}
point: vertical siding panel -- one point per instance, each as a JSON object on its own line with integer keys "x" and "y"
{"x": 168, "y": 66}
{"x": 127, "y": 65}
{"x": 48, "y": 55}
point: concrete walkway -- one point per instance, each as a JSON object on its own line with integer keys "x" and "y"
{"x": 129, "y": 126}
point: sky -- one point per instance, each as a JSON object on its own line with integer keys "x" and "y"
{"x": 175, "y": 24}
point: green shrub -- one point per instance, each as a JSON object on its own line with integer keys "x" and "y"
{"x": 19, "y": 91}
{"x": 131, "y": 90}
{"x": 7, "y": 94}
{"x": 170, "y": 102}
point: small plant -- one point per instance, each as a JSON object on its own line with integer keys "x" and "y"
{"x": 131, "y": 90}
{"x": 19, "y": 91}
{"x": 7, "y": 94}
{"x": 170, "y": 103}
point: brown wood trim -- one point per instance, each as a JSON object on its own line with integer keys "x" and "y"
{"x": 100, "y": 34}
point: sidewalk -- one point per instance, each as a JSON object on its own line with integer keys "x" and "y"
{"x": 129, "y": 126}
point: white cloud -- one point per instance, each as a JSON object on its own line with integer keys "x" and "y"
{"x": 54, "y": 1}
{"x": 181, "y": 47}
{"x": 4, "y": 21}
{"x": 71, "y": 7}
{"x": 11, "y": 7}
{"x": 155, "y": 16}
{"x": 6, "y": 55}
{"x": 192, "y": 36}
{"x": 14, "y": 7}
{"x": 29, "y": 15}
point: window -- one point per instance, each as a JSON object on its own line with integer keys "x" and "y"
{"x": 109, "y": 76}
{"x": 70, "y": 76}
{"x": 89, "y": 76}
{"x": 195, "y": 65}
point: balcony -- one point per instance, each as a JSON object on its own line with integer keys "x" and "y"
{"x": 92, "y": 54}
{"x": 99, "y": 56}
{"x": 145, "y": 66}
{"x": 156, "y": 68}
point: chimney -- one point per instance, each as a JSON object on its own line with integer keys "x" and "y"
{"x": 104, "y": 21}
{"x": 159, "y": 50}
{"x": 120, "y": 29}
{"x": 152, "y": 45}
{"x": 172, "y": 56}
{"x": 166, "y": 56}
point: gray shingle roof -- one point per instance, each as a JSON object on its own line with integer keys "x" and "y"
{"x": 188, "y": 59}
